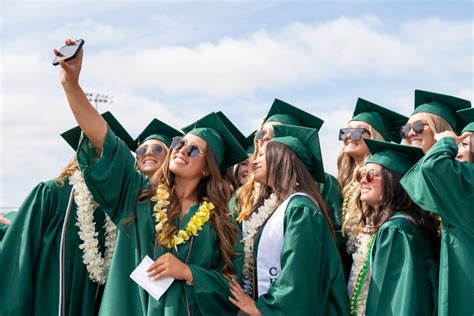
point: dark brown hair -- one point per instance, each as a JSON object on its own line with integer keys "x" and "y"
{"x": 290, "y": 175}
{"x": 212, "y": 188}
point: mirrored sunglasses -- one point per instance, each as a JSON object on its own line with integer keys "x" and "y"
{"x": 352, "y": 133}
{"x": 417, "y": 127}
{"x": 193, "y": 151}
{"x": 260, "y": 134}
{"x": 156, "y": 149}
{"x": 369, "y": 175}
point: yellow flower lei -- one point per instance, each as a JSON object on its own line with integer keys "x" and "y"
{"x": 161, "y": 218}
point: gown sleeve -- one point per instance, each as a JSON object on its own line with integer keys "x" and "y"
{"x": 399, "y": 280}
{"x": 3, "y": 227}
{"x": 311, "y": 280}
{"x": 112, "y": 179}
{"x": 20, "y": 249}
{"x": 443, "y": 185}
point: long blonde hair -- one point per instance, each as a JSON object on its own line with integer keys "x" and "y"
{"x": 437, "y": 124}
{"x": 67, "y": 171}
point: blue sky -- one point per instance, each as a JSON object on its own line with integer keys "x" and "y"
{"x": 178, "y": 61}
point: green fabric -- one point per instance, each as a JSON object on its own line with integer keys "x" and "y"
{"x": 383, "y": 120}
{"x": 467, "y": 120}
{"x": 157, "y": 129}
{"x": 29, "y": 257}
{"x": 223, "y": 143}
{"x": 305, "y": 143}
{"x": 395, "y": 157}
{"x": 115, "y": 183}
{"x": 442, "y": 185}
{"x": 286, "y": 113}
{"x": 249, "y": 143}
{"x": 403, "y": 275}
{"x": 468, "y": 128}
{"x": 73, "y": 136}
{"x": 311, "y": 281}
{"x": 442, "y": 105}
{"x": 233, "y": 129}
{"x": 4, "y": 227}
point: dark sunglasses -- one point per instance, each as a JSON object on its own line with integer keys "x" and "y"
{"x": 352, "y": 133}
{"x": 369, "y": 175}
{"x": 260, "y": 134}
{"x": 193, "y": 151}
{"x": 156, "y": 149}
{"x": 417, "y": 127}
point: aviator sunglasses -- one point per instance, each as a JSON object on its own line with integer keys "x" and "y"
{"x": 369, "y": 175}
{"x": 260, "y": 134}
{"x": 156, "y": 149}
{"x": 193, "y": 151}
{"x": 417, "y": 127}
{"x": 352, "y": 133}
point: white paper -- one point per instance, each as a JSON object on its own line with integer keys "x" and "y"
{"x": 155, "y": 288}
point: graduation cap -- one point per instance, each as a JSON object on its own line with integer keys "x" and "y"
{"x": 442, "y": 105}
{"x": 233, "y": 129}
{"x": 305, "y": 143}
{"x": 225, "y": 146}
{"x": 158, "y": 130}
{"x": 467, "y": 118}
{"x": 249, "y": 143}
{"x": 383, "y": 120}
{"x": 395, "y": 157}
{"x": 288, "y": 114}
{"x": 73, "y": 136}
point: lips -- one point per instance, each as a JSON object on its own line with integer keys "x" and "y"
{"x": 365, "y": 188}
{"x": 149, "y": 161}
{"x": 179, "y": 159}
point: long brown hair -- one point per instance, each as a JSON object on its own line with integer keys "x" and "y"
{"x": 290, "y": 175}
{"x": 212, "y": 188}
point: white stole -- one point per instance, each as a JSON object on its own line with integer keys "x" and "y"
{"x": 269, "y": 248}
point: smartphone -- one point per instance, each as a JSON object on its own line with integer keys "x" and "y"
{"x": 68, "y": 52}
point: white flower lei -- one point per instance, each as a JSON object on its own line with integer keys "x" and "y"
{"x": 255, "y": 221}
{"x": 359, "y": 257}
{"x": 97, "y": 266}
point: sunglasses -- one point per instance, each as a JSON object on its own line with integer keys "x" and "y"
{"x": 417, "y": 127}
{"x": 260, "y": 134}
{"x": 352, "y": 133}
{"x": 369, "y": 175}
{"x": 193, "y": 151}
{"x": 156, "y": 149}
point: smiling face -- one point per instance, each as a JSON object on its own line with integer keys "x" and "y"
{"x": 424, "y": 140}
{"x": 150, "y": 162}
{"x": 243, "y": 171}
{"x": 463, "y": 150}
{"x": 371, "y": 191}
{"x": 357, "y": 149}
{"x": 259, "y": 166}
{"x": 268, "y": 128}
{"x": 185, "y": 167}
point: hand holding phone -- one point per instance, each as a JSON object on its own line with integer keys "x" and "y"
{"x": 68, "y": 52}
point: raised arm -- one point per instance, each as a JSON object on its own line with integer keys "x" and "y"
{"x": 90, "y": 121}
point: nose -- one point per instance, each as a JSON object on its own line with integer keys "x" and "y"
{"x": 411, "y": 132}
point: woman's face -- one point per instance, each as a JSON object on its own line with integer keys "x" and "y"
{"x": 463, "y": 150}
{"x": 260, "y": 168}
{"x": 370, "y": 181}
{"x": 243, "y": 171}
{"x": 357, "y": 149}
{"x": 185, "y": 167}
{"x": 267, "y": 128}
{"x": 151, "y": 160}
{"x": 424, "y": 140}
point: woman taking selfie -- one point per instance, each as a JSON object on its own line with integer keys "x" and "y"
{"x": 291, "y": 262}
{"x": 397, "y": 275}
{"x": 180, "y": 220}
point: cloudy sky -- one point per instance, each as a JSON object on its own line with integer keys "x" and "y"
{"x": 177, "y": 62}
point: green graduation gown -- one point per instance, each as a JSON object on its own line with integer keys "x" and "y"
{"x": 115, "y": 184}
{"x": 3, "y": 227}
{"x": 30, "y": 257}
{"x": 311, "y": 281}
{"x": 403, "y": 274}
{"x": 440, "y": 184}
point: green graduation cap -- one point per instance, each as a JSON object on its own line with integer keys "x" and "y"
{"x": 467, "y": 118}
{"x": 233, "y": 129}
{"x": 72, "y": 136}
{"x": 158, "y": 130}
{"x": 383, "y": 120}
{"x": 395, "y": 157}
{"x": 290, "y": 115}
{"x": 250, "y": 145}
{"x": 442, "y": 105}
{"x": 305, "y": 143}
{"x": 225, "y": 146}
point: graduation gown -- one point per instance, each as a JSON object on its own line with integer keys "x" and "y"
{"x": 311, "y": 281}
{"x": 3, "y": 227}
{"x": 30, "y": 257}
{"x": 403, "y": 274}
{"x": 440, "y": 184}
{"x": 115, "y": 184}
